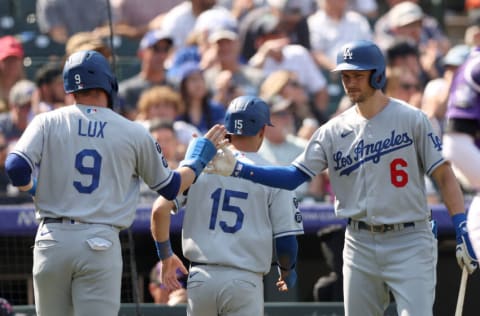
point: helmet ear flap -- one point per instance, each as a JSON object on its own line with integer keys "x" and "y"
{"x": 377, "y": 79}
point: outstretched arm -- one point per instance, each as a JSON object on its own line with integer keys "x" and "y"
{"x": 282, "y": 177}
{"x": 160, "y": 228}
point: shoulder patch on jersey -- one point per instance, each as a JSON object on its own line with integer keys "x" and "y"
{"x": 298, "y": 217}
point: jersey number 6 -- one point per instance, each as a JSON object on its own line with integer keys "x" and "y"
{"x": 227, "y": 207}
{"x": 398, "y": 176}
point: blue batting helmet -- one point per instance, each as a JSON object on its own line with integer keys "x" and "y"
{"x": 363, "y": 55}
{"x": 89, "y": 69}
{"x": 246, "y": 115}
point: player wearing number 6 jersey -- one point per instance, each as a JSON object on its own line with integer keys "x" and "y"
{"x": 230, "y": 225}
{"x": 90, "y": 163}
{"x": 377, "y": 153}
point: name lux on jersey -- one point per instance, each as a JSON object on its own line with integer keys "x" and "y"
{"x": 91, "y": 128}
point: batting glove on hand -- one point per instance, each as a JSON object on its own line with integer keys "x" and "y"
{"x": 464, "y": 251}
{"x": 224, "y": 163}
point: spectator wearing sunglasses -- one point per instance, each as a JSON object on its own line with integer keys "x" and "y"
{"x": 154, "y": 49}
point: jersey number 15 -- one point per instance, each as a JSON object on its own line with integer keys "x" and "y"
{"x": 228, "y": 195}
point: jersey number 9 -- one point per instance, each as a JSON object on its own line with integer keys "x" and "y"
{"x": 88, "y": 162}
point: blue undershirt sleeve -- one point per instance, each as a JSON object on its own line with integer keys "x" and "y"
{"x": 282, "y": 177}
{"x": 18, "y": 170}
{"x": 287, "y": 250}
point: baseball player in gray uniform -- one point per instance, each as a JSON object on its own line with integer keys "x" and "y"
{"x": 230, "y": 226}
{"x": 462, "y": 135}
{"x": 90, "y": 161}
{"x": 377, "y": 153}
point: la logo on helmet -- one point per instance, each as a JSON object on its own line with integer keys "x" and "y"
{"x": 347, "y": 54}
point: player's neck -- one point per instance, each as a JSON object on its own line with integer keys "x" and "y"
{"x": 373, "y": 105}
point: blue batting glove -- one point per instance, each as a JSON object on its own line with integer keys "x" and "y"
{"x": 199, "y": 153}
{"x": 464, "y": 250}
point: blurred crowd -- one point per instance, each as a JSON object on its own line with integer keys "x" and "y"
{"x": 195, "y": 56}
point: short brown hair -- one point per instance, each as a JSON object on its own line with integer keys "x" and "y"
{"x": 158, "y": 94}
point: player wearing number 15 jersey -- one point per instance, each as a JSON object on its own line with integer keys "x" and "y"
{"x": 90, "y": 161}
{"x": 377, "y": 153}
{"x": 230, "y": 226}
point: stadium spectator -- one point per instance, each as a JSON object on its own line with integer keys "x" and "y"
{"x": 61, "y": 19}
{"x": 404, "y": 85}
{"x": 50, "y": 93}
{"x": 333, "y": 25}
{"x": 435, "y": 94}
{"x": 163, "y": 131}
{"x": 11, "y": 67}
{"x": 274, "y": 52}
{"x": 180, "y": 20}
{"x": 163, "y": 102}
{"x": 15, "y": 121}
{"x": 200, "y": 109}
{"x": 292, "y": 21}
{"x": 404, "y": 53}
{"x": 406, "y": 20}
{"x": 87, "y": 41}
{"x": 133, "y": 20}
{"x": 228, "y": 78}
{"x": 281, "y": 146}
{"x": 285, "y": 84}
{"x": 153, "y": 51}
{"x": 160, "y": 294}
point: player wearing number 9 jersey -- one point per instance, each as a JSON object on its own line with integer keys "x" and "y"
{"x": 230, "y": 226}
{"x": 377, "y": 153}
{"x": 90, "y": 161}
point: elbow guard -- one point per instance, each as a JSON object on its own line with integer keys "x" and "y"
{"x": 18, "y": 170}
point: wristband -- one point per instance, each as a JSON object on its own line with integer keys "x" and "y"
{"x": 164, "y": 249}
{"x": 285, "y": 269}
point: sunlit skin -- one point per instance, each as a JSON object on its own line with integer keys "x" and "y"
{"x": 369, "y": 101}
{"x": 357, "y": 85}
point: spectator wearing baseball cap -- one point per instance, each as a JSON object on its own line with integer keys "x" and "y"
{"x": 11, "y": 67}
{"x": 228, "y": 77}
{"x": 15, "y": 121}
{"x": 153, "y": 51}
{"x": 406, "y": 19}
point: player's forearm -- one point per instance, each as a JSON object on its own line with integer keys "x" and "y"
{"x": 160, "y": 219}
{"x": 188, "y": 177}
{"x": 449, "y": 189}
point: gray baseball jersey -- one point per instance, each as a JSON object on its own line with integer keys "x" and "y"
{"x": 232, "y": 222}
{"x": 368, "y": 160}
{"x": 93, "y": 155}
